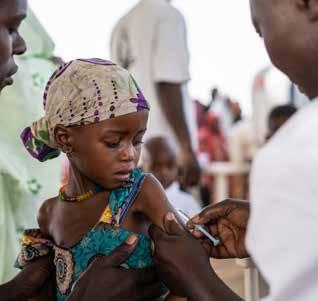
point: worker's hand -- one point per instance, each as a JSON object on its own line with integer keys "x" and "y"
{"x": 189, "y": 168}
{"x": 105, "y": 280}
{"x": 33, "y": 280}
{"x": 181, "y": 260}
{"x": 228, "y": 222}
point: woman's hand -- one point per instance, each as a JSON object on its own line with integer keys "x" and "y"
{"x": 105, "y": 280}
{"x": 181, "y": 261}
{"x": 30, "y": 281}
{"x": 227, "y": 221}
{"x": 184, "y": 265}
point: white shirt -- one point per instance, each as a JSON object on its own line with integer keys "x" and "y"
{"x": 283, "y": 228}
{"x": 221, "y": 109}
{"x": 242, "y": 142}
{"x": 182, "y": 200}
{"x": 151, "y": 42}
{"x": 271, "y": 89}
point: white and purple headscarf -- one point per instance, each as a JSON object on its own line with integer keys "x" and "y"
{"x": 82, "y": 92}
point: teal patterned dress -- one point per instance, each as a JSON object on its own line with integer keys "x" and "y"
{"x": 100, "y": 241}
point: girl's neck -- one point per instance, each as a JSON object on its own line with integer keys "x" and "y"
{"x": 77, "y": 183}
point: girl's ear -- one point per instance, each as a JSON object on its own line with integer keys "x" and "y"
{"x": 65, "y": 138}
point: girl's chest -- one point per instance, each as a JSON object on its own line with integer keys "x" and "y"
{"x": 70, "y": 222}
{"x": 99, "y": 242}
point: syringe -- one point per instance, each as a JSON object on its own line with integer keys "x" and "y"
{"x": 200, "y": 228}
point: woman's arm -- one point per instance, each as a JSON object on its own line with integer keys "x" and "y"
{"x": 184, "y": 265}
{"x": 8, "y": 290}
{"x": 29, "y": 281}
{"x": 36, "y": 281}
{"x": 153, "y": 203}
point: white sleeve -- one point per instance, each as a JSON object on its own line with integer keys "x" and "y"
{"x": 120, "y": 51}
{"x": 114, "y": 45}
{"x": 235, "y": 146}
{"x": 170, "y": 53}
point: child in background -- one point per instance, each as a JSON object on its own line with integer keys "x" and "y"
{"x": 160, "y": 159}
{"x": 96, "y": 114}
{"x": 278, "y": 117}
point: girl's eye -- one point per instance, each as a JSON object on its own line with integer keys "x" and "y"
{"x": 113, "y": 144}
{"x": 138, "y": 143}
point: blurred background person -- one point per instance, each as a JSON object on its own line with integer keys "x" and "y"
{"x": 220, "y": 106}
{"x": 212, "y": 148}
{"x": 271, "y": 88}
{"x": 278, "y": 117}
{"x": 151, "y": 42}
{"x": 160, "y": 159}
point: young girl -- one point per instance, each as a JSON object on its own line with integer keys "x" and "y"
{"x": 96, "y": 114}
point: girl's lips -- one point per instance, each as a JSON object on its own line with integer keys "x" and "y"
{"x": 122, "y": 177}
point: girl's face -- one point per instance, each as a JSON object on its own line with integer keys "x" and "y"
{"x": 107, "y": 152}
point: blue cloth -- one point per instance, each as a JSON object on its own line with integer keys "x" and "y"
{"x": 102, "y": 240}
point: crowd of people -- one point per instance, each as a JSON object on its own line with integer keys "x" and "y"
{"x": 226, "y": 135}
{"x": 112, "y": 231}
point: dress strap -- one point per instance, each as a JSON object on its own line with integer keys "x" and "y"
{"x": 121, "y": 199}
{"x": 131, "y": 198}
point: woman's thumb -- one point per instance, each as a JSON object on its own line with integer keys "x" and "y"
{"x": 121, "y": 253}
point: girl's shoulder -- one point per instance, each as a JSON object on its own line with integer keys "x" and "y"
{"x": 133, "y": 194}
{"x": 151, "y": 188}
{"x": 152, "y": 201}
{"x": 45, "y": 212}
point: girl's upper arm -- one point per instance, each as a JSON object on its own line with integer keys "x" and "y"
{"x": 153, "y": 202}
{"x": 43, "y": 216}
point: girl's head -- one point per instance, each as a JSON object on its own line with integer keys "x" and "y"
{"x": 161, "y": 160}
{"x": 97, "y": 115}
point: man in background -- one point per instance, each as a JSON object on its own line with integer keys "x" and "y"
{"x": 151, "y": 42}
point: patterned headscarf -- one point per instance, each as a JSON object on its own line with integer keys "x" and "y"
{"x": 82, "y": 92}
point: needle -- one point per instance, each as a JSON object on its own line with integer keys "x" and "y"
{"x": 201, "y": 228}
